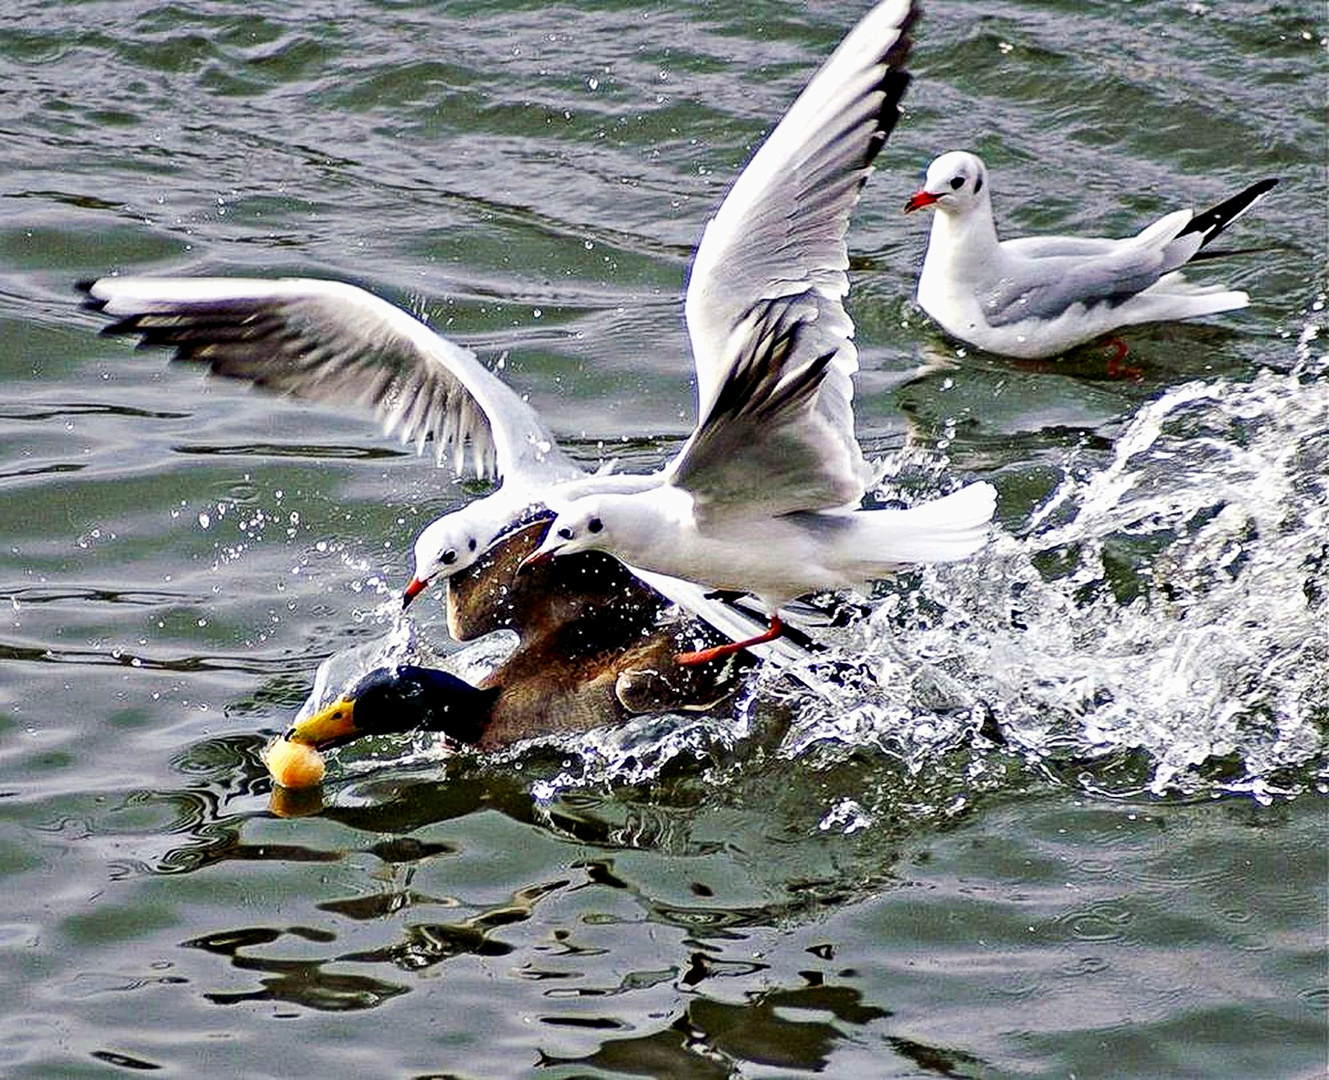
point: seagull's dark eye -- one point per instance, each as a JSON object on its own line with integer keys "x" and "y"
{"x": 957, "y": 182}
{"x": 565, "y": 533}
{"x": 594, "y": 525}
{"x": 449, "y": 557}
{"x": 470, "y": 544}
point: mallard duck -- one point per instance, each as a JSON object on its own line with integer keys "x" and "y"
{"x": 595, "y": 647}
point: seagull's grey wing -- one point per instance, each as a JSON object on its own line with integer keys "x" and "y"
{"x": 764, "y": 447}
{"x": 333, "y": 342}
{"x": 1054, "y": 285}
{"x": 1042, "y": 277}
{"x": 1042, "y": 247}
{"x": 781, "y": 229}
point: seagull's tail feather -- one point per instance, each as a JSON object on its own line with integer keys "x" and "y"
{"x": 1182, "y": 236}
{"x": 943, "y": 530}
{"x": 1173, "y": 297}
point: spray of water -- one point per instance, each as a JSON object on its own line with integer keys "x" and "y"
{"x": 1158, "y": 625}
{"x": 1170, "y": 608}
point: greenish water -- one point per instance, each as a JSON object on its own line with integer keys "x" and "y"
{"x": 1124, "y": 875}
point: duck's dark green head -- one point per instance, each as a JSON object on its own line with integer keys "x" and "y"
{"x": 405, "y": 698}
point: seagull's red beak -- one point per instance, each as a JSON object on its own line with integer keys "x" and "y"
{"x": 920, "y": 199}
{"x": 414, "y": 588}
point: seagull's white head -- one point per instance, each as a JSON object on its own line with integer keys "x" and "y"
{"x": 447, "y": 546}
{"x": 586, "y": 524}
{"x": 955, "y": 182}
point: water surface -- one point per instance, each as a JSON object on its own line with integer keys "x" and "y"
{"x": 1058, "y": 812}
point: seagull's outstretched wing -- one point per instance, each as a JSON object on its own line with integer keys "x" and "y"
{"x": 781, "y": 229}
{"x": 336, "y": 343}
{"x": 765, "y": 448}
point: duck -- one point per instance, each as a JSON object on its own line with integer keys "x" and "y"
{"x": 1035, "y": 297}
{"x": 596, "y": 646}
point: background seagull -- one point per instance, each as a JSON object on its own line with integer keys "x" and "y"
{"x": 1038, "y": 296}
{"x": 779, "y": 233}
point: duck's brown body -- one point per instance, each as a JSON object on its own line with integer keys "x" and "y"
{"x": 593, "y": 648}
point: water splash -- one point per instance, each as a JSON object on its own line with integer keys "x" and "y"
{"x": 401, "y": 644}
{"x": 1159, "y": 625}
{"x": 1170, "y": 610}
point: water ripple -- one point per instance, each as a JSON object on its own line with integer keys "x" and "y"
{"x": 1102, "y": 921}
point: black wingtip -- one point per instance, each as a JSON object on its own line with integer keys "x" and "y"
{"x": 1212, "y": 222}
{"x": 90, "y": 302}
{"x": 1230, "y": 253}
{"x": 122, "y": 327}
{"x": 893, "y": 85}
{"x": 894, "y": 81}
{"x": 898, "y": 54}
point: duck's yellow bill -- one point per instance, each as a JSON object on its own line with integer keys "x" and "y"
{"x": 328, "y": 725}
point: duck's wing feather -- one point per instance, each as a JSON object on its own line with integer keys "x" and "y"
{"x": 780, "y": 231}
{"x": 333, "y": 342}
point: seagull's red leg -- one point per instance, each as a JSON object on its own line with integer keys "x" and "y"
{"x": 705, "y": 655}
{"x": 1115, "y": 368}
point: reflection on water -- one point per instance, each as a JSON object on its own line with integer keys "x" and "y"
{"x": 782, "y": 1029}
{"x": 300, "y": 982}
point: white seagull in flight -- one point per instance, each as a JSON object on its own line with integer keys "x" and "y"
{"x": 766, "y": 288}
{"x": 762, "y": 498}
{"x": 1037, "y": 296}
{"x": 755, "y": 501}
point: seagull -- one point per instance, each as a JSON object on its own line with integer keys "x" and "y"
{"x": 1038, "y": 296}
{"x": 754, "y": 501}
{"x": 778, "y": 234}
{"x": 763, "y": 496}
{"x": 334, "y": 342}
